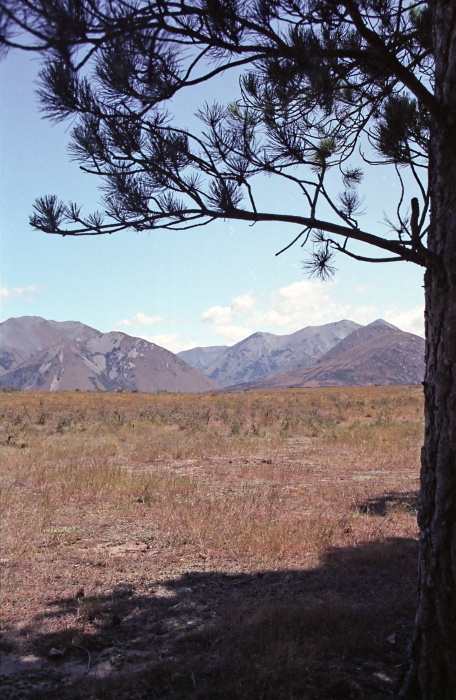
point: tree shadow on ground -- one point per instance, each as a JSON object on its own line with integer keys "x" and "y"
{"x": 385, "y": 504}
{"x": 337, "y": 631}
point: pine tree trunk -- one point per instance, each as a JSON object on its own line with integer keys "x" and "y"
{"x": 432, "y": 672}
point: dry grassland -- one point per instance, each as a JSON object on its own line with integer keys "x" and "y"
{"x": 256, "y": 545}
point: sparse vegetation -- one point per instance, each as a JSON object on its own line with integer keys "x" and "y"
{"x": 248, "y": 545}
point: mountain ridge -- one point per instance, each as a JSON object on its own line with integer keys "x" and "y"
{"x": 86, "y": 359}
{"x": 36, "y": 354}
{"x": 388, "y": 358}
{"x": 266, "y": 354}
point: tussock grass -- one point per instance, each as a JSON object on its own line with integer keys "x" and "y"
{"x": 269, "y": 534}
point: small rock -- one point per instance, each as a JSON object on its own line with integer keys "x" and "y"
{"x": 55, "y": 653}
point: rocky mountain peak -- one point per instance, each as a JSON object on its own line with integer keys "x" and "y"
{"x": 36, "y": 354}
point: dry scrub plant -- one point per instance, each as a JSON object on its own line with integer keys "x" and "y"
{"x": 245, "y": 545}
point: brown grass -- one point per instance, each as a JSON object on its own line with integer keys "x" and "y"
{"x": 251, "y": 545}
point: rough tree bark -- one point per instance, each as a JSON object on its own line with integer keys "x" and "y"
{"x": 432, "y": 674}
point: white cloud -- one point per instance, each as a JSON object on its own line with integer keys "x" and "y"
{"x": 243, "y": 304}
{"x": 231, "y": 332}
{"x": 216, "y": 315}
{"x": 139, "y": 319}
{"x": 224, "y": 315}
{"x": 411, "y": 321}
{"x": 288, "y": 309}
{"x": 171, "y": 341}
{"x": 304, "y": 303}
{"x": 285, "y": 310}
{"x": 301, "y": 304}
{"x": 220, "y": 318}
{"x": 365, "y": 314}
{"x": 7, "y": 294}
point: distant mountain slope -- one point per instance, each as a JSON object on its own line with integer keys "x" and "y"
{"x": 265, "y": 354}
{"x": 23, "y": 337}
{"x": 49, "y": 356}
{"x": 201, "y": 358}
{"x": 358, "y": 336}
{"x": 387, "y": 358}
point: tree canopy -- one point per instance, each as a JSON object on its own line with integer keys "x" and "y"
{"x": 326, "y": 88}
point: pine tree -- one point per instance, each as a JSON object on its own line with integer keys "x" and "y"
{"x": 320, "y": 83}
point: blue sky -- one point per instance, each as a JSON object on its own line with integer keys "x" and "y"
{"x": 209, "y": 286}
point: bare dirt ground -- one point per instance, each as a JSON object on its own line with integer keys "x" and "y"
{"x": 213, "y": 552}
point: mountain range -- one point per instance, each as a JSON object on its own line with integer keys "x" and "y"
{"x": 265, "y": 354}
{"x": 340, "y": 353}
{"x": 388, "y": 357}
{"x": 41, "y": 355}
{"x": 37, "y": 354}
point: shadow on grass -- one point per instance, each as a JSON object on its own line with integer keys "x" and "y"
{"x": 389, "y": 502}
{"x": 336, "y": 631}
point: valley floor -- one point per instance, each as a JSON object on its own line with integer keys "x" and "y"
{"x": 257, "y": 545}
